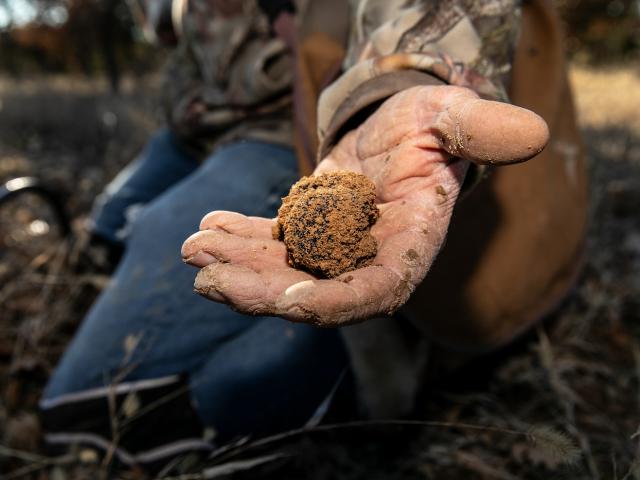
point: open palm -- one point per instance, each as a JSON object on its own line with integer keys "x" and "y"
{"x": 416, "y": 148}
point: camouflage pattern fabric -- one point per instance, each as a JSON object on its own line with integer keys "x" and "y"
{"x": 467, "y": 43}
{"x": 231, "y": 77}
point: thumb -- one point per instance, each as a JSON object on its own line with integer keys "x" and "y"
{"x": 493, "y": 133}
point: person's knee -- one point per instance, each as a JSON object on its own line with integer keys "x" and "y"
{"x": 161, "y": 140}
{"x": 248, "y": 177}
{"x": 257, "y": 171}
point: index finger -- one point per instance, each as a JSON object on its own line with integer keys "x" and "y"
{"x": 238, "y": 224}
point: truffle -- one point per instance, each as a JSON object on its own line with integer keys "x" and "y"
{"x": 325, "y": 223}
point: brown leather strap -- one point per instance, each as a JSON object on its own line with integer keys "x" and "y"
{"x": 318, "y": 60}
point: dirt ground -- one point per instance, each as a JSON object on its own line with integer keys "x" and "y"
{"x": 563, "y": 403}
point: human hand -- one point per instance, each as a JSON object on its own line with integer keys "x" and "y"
{"x": 415, "y": 148}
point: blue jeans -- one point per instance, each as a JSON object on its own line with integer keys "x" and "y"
{"x": 245, "y": 375}
{"x": 161, "y": 165}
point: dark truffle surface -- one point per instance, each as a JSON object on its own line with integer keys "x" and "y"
{"x": 325, "y": 223}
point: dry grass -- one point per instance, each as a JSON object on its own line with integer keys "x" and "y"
{"x": 607, "y": 97}
{"x": 564, "y": 403}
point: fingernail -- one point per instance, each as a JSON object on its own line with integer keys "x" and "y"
{"x": 204, "y": 284}
{"x": 289, "y": 304}
{"x": 200, "y": 259}
{"x": 209, "y": 293}
{"x": 296, "y": 288}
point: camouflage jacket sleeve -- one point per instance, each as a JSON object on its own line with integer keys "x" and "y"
{"x": 397, "y": 44}
{"x": 182, "y": 90}
{"x": 227, "y": 75}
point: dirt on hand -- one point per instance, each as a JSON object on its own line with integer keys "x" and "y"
{"x": 325, "y": 223}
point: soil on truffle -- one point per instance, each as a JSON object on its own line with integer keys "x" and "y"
{"x": 325, "y": 223}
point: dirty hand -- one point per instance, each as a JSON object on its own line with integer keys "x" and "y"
{"x": 415, "y": 148}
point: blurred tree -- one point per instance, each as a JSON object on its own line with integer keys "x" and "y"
{"x": 93, "y": 36}
{"x": 69, "y": 35}
{"x": 602, "y": 30}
